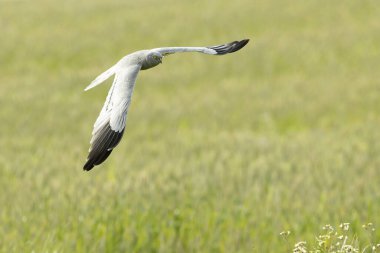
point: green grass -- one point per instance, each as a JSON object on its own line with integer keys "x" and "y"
{"x": 220, "y": 154}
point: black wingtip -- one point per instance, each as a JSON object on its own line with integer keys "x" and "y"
{"x": 88, "y": 166}
{"x": 104, "y": 142}
{"x": 244, "y": 42}
{"x": 96, "y": 160}
{"x": 230, "y": 47}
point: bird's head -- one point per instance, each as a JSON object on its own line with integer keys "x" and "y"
{"x": 155, "y": 57}
{"x": 151, "y": 60}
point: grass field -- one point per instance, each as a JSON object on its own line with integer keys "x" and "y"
{"x": 220, "y": 154}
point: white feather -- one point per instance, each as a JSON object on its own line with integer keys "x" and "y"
{"x": 102, "y": 77}
{"x": 171, "y": 50}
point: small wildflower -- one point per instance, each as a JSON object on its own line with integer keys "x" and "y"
{"x": 300, "y": 244}
{"x": 345, "y": 226}
{"x": 328, "y": 227}
{"x": 349, "y": 249}
{"x": 300, "y": 247}
{"x": 322, "y": 240}
{"x": 369, "y": 227}
{"x": 285, "y": 233}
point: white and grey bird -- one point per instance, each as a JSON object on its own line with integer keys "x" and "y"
{"x": 110, "y": 125}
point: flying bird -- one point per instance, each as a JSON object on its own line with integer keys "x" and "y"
{"x": 110, "y": 124}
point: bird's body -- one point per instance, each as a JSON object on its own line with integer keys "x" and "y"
{"x": 109, "y": 126}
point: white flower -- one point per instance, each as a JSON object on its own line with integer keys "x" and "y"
{"x": 285, "y": 233}
{"x": 345, "y": 226}
{"x": 328, "y": 227}
{"x": 349, "y": 249}
{"x": 300, "y": 247}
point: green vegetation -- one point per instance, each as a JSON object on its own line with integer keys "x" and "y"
{"x": 220, "y": 154}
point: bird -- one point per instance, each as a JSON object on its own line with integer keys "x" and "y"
{"x": 110, "y": 125}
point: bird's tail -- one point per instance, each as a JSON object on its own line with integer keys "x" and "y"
{"x": 102, "y": 77}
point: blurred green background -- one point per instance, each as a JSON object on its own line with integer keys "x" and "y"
{"x": 220, "y": 154}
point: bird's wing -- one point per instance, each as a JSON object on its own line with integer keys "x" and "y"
{"x": 215, "y": 50}
{"x": 102, "y": 77}
{"x": 109, "y": 126}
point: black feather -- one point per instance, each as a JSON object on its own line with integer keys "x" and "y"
{"x": 102, "y": 146}
{"x": 229, "y": 47}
